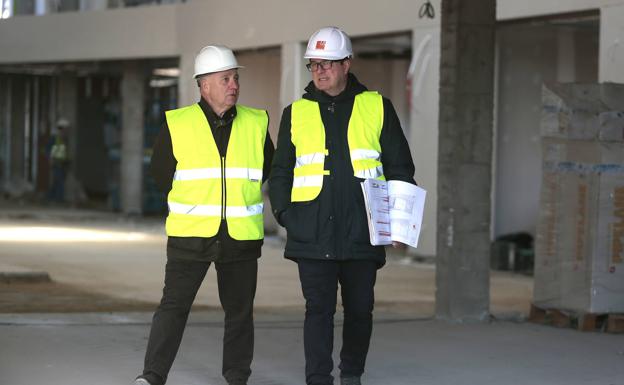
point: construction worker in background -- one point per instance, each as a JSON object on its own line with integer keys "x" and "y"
{"x": 212, "y": 157}
{"x": 329, "y": 141}
{"x": 57, "y": 150}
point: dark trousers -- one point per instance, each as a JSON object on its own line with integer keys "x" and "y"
{"x": 319, "y": 283}
{"x": 237, "y": 288}
{"x": 56, "y": 193}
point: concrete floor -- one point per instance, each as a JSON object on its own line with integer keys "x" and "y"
{"x": 108, "y": 350}
{"x": 124, "y": 258}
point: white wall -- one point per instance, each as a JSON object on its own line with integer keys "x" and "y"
{"x": 260, "y": 83}
{"x": 514, "y": 9}
{"x": 423, "y": 135}
{"x": 529, "y": 56}
{"x": 612, "y": 44}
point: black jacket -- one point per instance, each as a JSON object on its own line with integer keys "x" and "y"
{"x": 333, "y": 226}
{"x": 221, "y": 247}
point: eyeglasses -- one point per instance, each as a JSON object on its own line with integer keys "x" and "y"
{"x": 325, "y": 65}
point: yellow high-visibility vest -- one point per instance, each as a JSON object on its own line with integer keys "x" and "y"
{"x": 308, "y": 136}
{"x": 204, "y": 181}
{"x": 58, "y": 151}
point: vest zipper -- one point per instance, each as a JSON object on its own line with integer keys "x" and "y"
{"x": 223, "y": 188}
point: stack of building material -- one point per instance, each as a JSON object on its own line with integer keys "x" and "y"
{"x": 579, "y": 262}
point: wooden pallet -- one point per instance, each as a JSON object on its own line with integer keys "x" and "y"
{"x": 587, "y": 322}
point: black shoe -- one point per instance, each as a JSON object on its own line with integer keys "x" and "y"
{"x": 350, "y": 381}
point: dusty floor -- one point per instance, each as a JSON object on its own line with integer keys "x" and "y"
{"x": 89, "y": 324}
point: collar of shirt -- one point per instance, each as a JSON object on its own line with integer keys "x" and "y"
{"x": 214, "y": 120}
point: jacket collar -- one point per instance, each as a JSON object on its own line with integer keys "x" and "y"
{"x": 213, "y": 119}
{"x": 353, "y": 88}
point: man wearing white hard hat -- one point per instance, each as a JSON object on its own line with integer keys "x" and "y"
{"x": 337, "y": 135}
{"x": 212, "y": 158}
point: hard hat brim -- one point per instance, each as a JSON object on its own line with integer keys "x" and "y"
{"x": 323, "y": 55}
{"x": 226, "y": 68}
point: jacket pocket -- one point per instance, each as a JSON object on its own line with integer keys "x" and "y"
{"x": 301, "y": 220}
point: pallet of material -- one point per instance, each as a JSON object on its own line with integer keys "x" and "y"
{"x": 586, "y": 322}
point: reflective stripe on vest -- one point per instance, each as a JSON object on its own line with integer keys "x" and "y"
{"x": 195, "y": 200}
{"x": 212, "y": 210}
{"x": 308, "y": 136}
{"x": 215, "y": 173}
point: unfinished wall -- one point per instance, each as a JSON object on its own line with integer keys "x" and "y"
{"x": 510, "y": 9}
{"x": 612, "y": 44}
{"x": 389, "y": 77}
{"x": 530, "y": 55}
{"x": 260, "y": 83}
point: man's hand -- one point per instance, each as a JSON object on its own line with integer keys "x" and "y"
{"x": 399, "y": 245}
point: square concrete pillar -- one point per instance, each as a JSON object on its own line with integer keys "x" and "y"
{"x": 465, "y": 160}
{"x": 132, "y": 153}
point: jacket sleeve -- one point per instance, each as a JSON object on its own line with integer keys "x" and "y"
{"x": 281, "y": 178}
{"x": 395, "y": 153}
{"x": 163, "y": 163}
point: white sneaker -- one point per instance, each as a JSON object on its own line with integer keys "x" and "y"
{"x": 141, "y": 381}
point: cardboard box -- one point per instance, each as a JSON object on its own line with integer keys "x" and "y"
{"x": 580, "y": 235}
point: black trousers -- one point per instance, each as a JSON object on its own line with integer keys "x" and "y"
{"x": 237, "y": 289}
{"x": 319, "y": 283}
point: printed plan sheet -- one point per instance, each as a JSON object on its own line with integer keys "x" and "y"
{"x": 378, "y": 211}
{"x": 395, "y": 211}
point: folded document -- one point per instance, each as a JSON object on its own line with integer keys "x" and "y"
{"x": 394, "y": 210}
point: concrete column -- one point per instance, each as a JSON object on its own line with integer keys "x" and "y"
{"x": 5, "y": 132}
{"x": 35, "y": 132}
{"x": 67, "y": 108}
{"x": 423, "y": 81}
{"x": 294, "y": 74}
{"x": 611, "y": 57}
{"x": 465, "y": 160}
{"x": 133, "y": 101}
{"x": 188, "y": 93}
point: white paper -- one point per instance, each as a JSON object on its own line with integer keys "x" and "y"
{"x": 395, "y": 211}
{"x": 377, "y": 209}
{"x": 406, "y": 204}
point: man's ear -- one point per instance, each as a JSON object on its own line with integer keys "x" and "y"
{"x": 346, "y": 65}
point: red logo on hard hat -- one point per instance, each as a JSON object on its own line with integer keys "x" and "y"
{"x": 320, "y": 44}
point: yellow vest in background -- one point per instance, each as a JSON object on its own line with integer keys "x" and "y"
{"x": 308, "y": 136}
{"x": 203, "y": 181}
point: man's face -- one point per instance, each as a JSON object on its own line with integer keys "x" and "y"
{"x": 332, "y": 80}
{"x": 220, "y": 90}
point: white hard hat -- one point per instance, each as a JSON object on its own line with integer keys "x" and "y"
{"x": 330, "y": 43}
{"x": 214, "y": 58}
